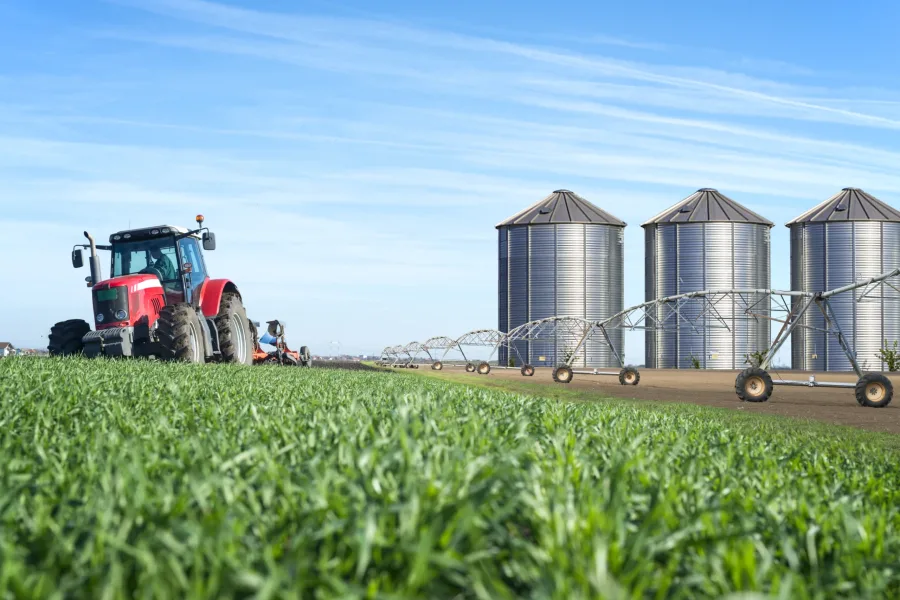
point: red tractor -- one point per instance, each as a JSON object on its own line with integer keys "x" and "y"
{"x": 159, "y": 301}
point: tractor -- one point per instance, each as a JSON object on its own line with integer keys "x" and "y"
{"x": 158, "y": 302}
{"x": 281, "y": 355}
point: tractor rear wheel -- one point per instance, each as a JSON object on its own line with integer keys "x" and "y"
{"x": 180, "y": 333}
{"x": 65, "y": 337}
{"x": 235, "y": 342}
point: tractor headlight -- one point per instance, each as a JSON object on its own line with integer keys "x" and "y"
{"x": 99, "y": 317}
{"x": 121, "y": 315}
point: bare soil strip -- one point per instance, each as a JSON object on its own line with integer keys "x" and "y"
{"x": 716, "y": 388}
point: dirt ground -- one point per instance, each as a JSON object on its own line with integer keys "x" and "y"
{"x": 716, "y": 388}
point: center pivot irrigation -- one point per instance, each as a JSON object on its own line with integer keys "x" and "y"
{"x": 693, "y": 312}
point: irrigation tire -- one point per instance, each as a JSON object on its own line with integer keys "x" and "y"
{"x": 470, "y": 368}
{"x": 874, "y": 390}
{"x": 562, "y": 374}
{"x": 753, "y": 385}
{"x": 180, "y": 334}
{"x": 484, "y": 368}
{"x": 527, "y": 371}
{"x": 437, "y": 366}
{"x": 629, "y": 376}
{"x": 235, "y": 341}
{"x": 65, "y": 337}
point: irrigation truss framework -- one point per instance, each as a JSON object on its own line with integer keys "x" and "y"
{"x": 695, "y": 312}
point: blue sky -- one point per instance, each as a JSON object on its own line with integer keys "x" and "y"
{"x": 354, "y": 157}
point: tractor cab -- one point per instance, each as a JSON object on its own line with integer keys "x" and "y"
{"x": 170, "y": 253}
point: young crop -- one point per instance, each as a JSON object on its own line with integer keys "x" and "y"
{"x": 135, "y": 478}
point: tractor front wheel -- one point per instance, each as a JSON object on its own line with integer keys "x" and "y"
{"x": 235, "y": 342}
{"x": 180, "y": 334}
{"x": 65, "y": 337}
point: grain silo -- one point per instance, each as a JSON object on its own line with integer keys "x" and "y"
{"x": 706, "y": 242}
{"x": 562, "y": 256}
{"x": 849, "y": 237}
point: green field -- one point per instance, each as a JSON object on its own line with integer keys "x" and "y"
{"x": 142, "y": 479}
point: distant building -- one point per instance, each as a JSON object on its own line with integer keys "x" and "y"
{"x": 7, "y": 349}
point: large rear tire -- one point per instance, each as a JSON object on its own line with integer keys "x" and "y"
{"x": 180, "y": 334}
{"x": 484, "y": 368}
{"x": 235, "y": 335}
{"x": 65, "y": 337}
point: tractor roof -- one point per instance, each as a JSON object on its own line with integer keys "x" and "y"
{"x": 145, "y": 233}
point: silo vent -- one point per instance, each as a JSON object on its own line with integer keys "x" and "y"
{"x": 707, "y": 190}
{"x": 840, "y": 207}
{"x": 545, "y": 211}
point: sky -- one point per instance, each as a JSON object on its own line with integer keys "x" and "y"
{"x": 354, "y": 157}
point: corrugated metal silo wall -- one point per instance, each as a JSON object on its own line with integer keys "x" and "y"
{"x": 503, "y": 289}
{"x": 826, "y": 256}
{"x": 688, "y": 257}
{"x": 570, "y": 269}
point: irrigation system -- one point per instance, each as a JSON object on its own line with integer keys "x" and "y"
{"x": 690, "y": 312}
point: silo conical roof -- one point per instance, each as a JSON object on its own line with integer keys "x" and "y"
{"x": 708, "y": 205}
{"x": 850, "y": 204}
{"x": 562, "y": 206}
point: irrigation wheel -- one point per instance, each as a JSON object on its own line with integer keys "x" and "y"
{"x": 753, "y": 385}
{"x": 629, "y": 376}
{"x": 527, "y": 370}
{"x": 484, "y": 368}
{"x": 437, "y": 365}
{"x": 874, "y": 390}
{"x": 562, "y": 374}
{"x": 470, "y": 368}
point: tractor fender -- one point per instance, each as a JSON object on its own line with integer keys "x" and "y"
{"x": 211, "y": 295}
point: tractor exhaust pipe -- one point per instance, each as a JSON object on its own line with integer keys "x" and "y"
{"x": 94, "y": 261}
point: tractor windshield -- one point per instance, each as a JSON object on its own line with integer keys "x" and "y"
{"x": 155, "y": 257}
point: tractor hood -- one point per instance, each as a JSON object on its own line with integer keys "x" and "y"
{"x": 135, "y": 283}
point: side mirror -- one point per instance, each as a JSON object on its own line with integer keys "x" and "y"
{"x": 77, "y": 258}
{"x": 209, "y": 240}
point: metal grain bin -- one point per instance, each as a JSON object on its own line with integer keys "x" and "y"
{"x": 706, "y": 242}
{"x": 849, "y": 237}
{"x": 562, "y": 256}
